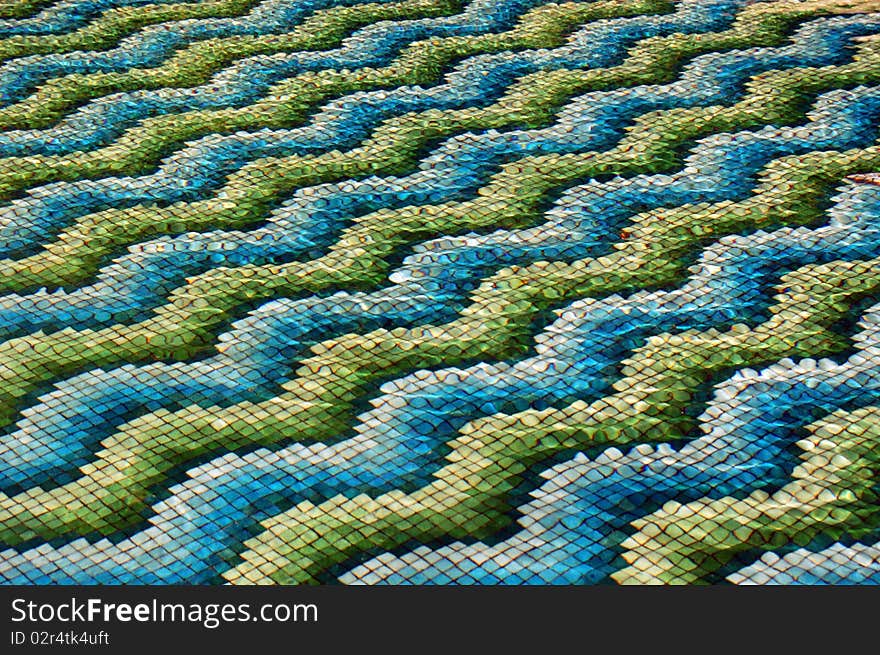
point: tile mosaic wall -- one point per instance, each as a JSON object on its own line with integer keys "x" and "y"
{"x": 429, "y": 291}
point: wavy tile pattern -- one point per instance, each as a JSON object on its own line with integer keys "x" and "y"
{"x": 439, "y": 292}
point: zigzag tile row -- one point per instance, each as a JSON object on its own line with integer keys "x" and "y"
{"x": 145, "y": 56}
{"x": 190, "y": 66}
{"x": 576, "y": 128}
{"x": 832, "y": 492}
{"x": 429, "y": 282}
{"x": 183, "y": 306}
{"x": 586, "y": 499}
{"x": 836, "y": 564}
{"x": 63, "y": 16}
{"x": 342, "y": 118}
{"x": 21, "y": 8}
{"x": 16, "y": 223}
{"x": 206, "y": 161}
{"x": 298, "y": 544}
{"x": 564, "y": 536}
{"x": 573, "y": 173}
{"x": 41, "y": 167}
{"x": 433, "y": 271}
{"x": 247, "y": 411}
{"x": 116, "y": 23}
{"x": 272, "y": 467}
{"x": 249, "y": 79}
{"x": 395, "y": 25}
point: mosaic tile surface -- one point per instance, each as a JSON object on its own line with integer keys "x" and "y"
{"x": 429, "y": 291}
